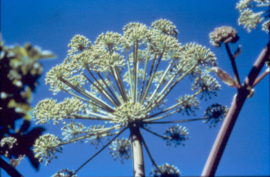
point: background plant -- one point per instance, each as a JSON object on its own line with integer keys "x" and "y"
{"x": 20, "y": 71}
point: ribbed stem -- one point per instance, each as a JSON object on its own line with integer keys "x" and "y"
{"x": 138, "y": 160}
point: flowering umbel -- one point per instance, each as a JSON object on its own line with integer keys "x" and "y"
{"x": 251, "y": 19}
{"x": 120, "y": 80}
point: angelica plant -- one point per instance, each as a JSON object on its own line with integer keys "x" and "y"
{"x": 120, "y": 81}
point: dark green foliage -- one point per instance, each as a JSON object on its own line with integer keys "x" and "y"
{"x": 20, "y": 71}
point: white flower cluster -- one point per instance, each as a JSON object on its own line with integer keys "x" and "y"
{"x": 120, "y": 79}
{"x": 165, "y": 171}
{"x": 46, "y": 146}
{"x": 48, "y": 109}
{"x": 223, "y": 34}
{"x": 251, "y": 19}
{"x": 121, "y": 148}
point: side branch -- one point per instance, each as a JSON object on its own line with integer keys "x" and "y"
{"x": 232, "y": 59}
{"x": 9, "y": 169}
{"x": 228, "y": 124}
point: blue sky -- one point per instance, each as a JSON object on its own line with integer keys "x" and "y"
{"x": 51, "y": 24}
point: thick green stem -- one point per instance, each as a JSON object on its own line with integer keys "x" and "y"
{"x": 138, "y": 160}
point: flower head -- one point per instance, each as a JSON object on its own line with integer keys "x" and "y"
{"x": 166, "y": 170}
{"x": 78, "y": 43}
{"x": 215, "y": 113}
{"x": 166, "y": 27}
{"x": 188, "y": 104}
{"x": 45, "y": 147}
{"x": 207, "y": 85}
{"x": 65, "y": 173}
{"x": 176, "y": 134}
{"x": 248, "y": 17}
{"x": 121, "y": 148}
{"x": 223, "y": 34}
{"x": 10, "y": 141}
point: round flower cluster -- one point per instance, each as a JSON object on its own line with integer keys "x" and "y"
{"x": 64, "y": 173}
{"x": 166, "y": 170}
{"x": 207, "y": 85}
{"x": 223, "y": 34}
{"x": 188, "y": 104}
{"x": 121, "y": 148}
{"x": 251, "y": 19}
{"x": 176, "y": 134}
{"x": 128, "y": 113}
{"x": 45, "y": 147}
{"x": 215, "y": 113}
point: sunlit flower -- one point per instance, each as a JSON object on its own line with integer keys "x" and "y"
{"x": 121, "y": 148}
{"x": 65, "y": 173}
{"x": 10, "y": 141}
{"x": 251, "y": 19}
{"x": 223, "y": 34}
{"x": 78, "y": 43}
{"x": 266, "y": 26}
{"x": 166, "y": 170}
{"x": 166, "y": 27}
{"x": 46, "y": 146}
{"x": 72, "y": 130}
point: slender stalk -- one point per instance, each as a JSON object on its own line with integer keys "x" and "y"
{"x": 160, "y": 81}
{"x": 135, "y": 72}
{"x": 152, "y": 77}
{"x": 100, "y": 133}
{"x": 107, "y": 86}
{"x": 144, "y": 73}
{"x": 101, "y": 89}
{"x": 100, "y": 117}
{"x": 150, "y": 156}
{"x": 228, "y": 124}
{"x": 138, "y": 160}
{"x": 166, "y": 91}
{"x": 259, "y": 5}
{"x": 129, "y": 73}
{"x": 232, "y": 59}
{"x": 83, "y": 99}
{"x": 154, "y": 133}
{"x": 114, "y": 89}
{"x": 177, "y": 121}
{"x": 99, "y": 151}
{"x": 89, "y": 95}
{"x": 148, "y": 79}
{"x": 174, "y": 106}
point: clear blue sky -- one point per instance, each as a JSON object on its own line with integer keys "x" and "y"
{"x": 51, "y": 24}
